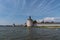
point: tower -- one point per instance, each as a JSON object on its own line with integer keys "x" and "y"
{"x": 29, "y": 22}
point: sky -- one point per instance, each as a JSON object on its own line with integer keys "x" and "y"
{"x": 17, "y": 11}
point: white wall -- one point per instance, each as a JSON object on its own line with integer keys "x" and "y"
{"x": 29, "y": 23}
{"x": 47, "y": 25}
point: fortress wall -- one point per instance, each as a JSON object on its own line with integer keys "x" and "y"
{"x": 46, "y": 24}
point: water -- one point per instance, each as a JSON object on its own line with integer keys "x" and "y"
{"x": 23, "y": 33}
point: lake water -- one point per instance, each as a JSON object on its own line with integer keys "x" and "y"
{"x": 23, "y": 33}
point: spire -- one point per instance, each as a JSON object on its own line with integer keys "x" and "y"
{"x": 29, "y": 17}
{"x": 29, "y": 22}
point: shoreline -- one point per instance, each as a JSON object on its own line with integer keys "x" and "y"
{"x": 53, "y": 27}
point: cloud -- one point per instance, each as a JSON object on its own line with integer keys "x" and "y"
{"x": 10, "y": 8}
{"x": 33, "y": 2}
{"x": 50, "y": 19}
{"x": 23, "y": 4}
{"x": 41, "y": 4}
{"x": 47, "y": 5}
{"x": 7, "y": 14}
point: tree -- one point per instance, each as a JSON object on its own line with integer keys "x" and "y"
{"x": 34, "y": 21}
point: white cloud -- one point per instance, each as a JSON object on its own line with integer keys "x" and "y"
{"x": 49, "y": 19}
{"x": 41, "y": 4}
{"x": 33, "y": 2}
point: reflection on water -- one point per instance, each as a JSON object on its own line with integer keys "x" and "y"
{"x": 23, "y": 33}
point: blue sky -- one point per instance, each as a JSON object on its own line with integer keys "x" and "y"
{"x": 17, "y": 11}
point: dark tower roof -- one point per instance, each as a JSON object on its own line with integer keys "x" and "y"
{"x": 30, "y": 18}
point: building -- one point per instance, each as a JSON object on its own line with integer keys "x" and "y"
{"x": 30, "y": 22}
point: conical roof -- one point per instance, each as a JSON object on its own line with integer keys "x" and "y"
{"x": 30, "y": 18}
